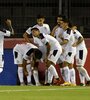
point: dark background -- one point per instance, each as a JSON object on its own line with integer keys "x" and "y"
{"x": 23, "y": 13}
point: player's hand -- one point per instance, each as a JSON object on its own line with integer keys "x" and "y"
{"x": 25, "y": 73}
{"x": 74, "y": 45}
{"x": 8, "y": 22}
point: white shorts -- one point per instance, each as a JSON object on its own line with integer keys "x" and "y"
{"x": 69, "y": 55}
{"x": 43, "y": 50}
{"x": 61, "y": 59}
{"x": 80, "y": 57}
{"x": 54, "y": 55}
{"x": 18, "y": 58}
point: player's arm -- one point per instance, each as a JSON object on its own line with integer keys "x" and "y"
{"x": 28, "y": 37}
{"x": 24, "y": 67}
{"x": 9, "y": 24}
{"x": 80, "y": 39}
{"x": 65, "y": 41}
{"x": 48, "y": 48}
{"x": 53, "y": 31}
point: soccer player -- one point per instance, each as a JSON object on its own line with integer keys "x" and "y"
{"x": 44, "y": 28}
{"x": 57, "y": 32}
{"x": 69, "y": 53}
{"x": 53, "y": 51}
{"x": 20, "y": 51}
{"x": 4, "y": 32}
{"x": 81, "y": 55}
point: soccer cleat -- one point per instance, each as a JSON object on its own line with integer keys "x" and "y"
{"x": 73, "y": 84}
{"x": 88, "y": 83}
{"x": 22, "y": 84}
{"x": 38, "y": 84}
{"x": 57, "y": 81}
{"x": 48, "y": 84}
{"x": 66, "y": 84}
{"x": 82, "y": 84}
{"x": 29, "y": 84}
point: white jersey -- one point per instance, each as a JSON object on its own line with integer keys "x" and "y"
{"x": 2, "y": 34}
{"x": 36, "y": 40}
{"x": 69, "y": 50}
{"x": 43, "y": 29}
{"x": 20, "y": 50}
{"x": 58, "y": 33}
{"x": 55, "y": 47}
{"x": 81, "y": 50}
{"x": 24, "y": 47}
{"x": 54, "y": 44}
{"x": 68, "y": 35}
{"x": 77, "y": 34}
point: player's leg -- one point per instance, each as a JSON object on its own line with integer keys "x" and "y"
{"x": 52, "y": 59}
{"x": 29, "y": 70}
{"x": 18, "y": 60}
{"x": 72, "y": 70}
{"x": 80, "y": 61}
{"x": 1, "y": 62}
{"x": 35, "y": 74}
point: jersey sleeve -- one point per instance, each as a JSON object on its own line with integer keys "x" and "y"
{"x": 6, "y": 33}
{"x": 28, "y": 30}
{"x": 77, "y": 34}
{"x": 43, "y": 39}
{"x": 48, "y": 29}
{"x": 66, "y": 36}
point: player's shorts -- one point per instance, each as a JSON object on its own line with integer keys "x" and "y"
{"x": 61, "y": 59}
{"x": 43, "y": 50}
{"x": 69, "y": 55}
{"x": 80, "y": 57}
{"x": 18, "y": 57}
{"x": 54, "y": 55}
{"x": 1, "y": 61}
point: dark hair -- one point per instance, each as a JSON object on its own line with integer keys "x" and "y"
{"x": 62, "y": 16}
{"x": 67, "y": 21}
{"x": 40, "y": 16}
{"x": 35, "y": 28}
{"x": 38, "y": 54}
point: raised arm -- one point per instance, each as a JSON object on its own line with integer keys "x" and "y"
{"x": 9, "y": 24}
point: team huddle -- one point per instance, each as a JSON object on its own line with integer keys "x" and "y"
{"x": 60, "y": 46}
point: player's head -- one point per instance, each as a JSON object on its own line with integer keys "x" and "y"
{"x": 38, "y": 54}
{"x": 40, "y": 19}
{"x": 35, "y": 32}
{"x": 65, "y": 23}
{"x": 60, "y": 18}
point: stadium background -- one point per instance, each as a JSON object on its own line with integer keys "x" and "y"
{"x": 23, "y": 15}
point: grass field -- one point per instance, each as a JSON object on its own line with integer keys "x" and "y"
{"x": 44, "y": 93}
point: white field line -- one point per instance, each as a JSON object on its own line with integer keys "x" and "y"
{"x": 54, "y": 89}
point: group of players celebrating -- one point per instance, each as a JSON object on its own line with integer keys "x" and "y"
{"x": 60, "y": 46}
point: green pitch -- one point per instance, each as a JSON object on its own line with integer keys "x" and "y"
{"x": 44, "y": 93}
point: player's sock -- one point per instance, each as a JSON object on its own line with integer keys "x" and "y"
{"x": 50, "y": 77}
{"x": 66, "y": 74}
{"x": 35, "y": 75}
{"x": 29, "y": 73}
{"x": 84, "y": 72}
{"x": 72, "y": 76}
{"x": 82, "y": 78}
{"x": 46, "y": 76}
{"x": 62, "y": 73}
{"x": 20, "y": 74}
{"x": 53, "y": 71}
